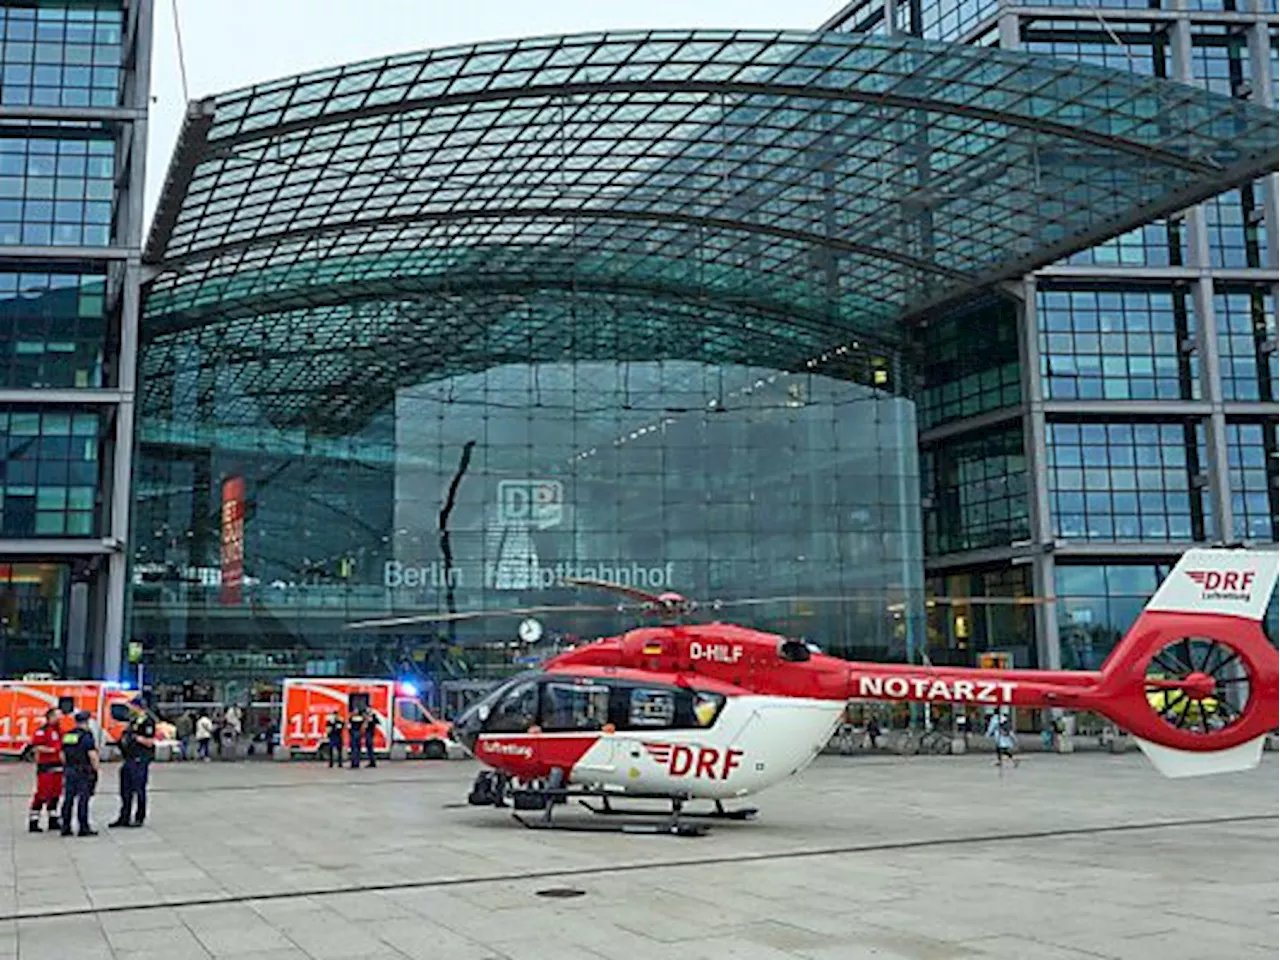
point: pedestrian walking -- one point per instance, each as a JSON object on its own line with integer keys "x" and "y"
{"x": 1000, "y": 729}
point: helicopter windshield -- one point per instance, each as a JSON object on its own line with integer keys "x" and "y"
{"x": 516, "y": 710}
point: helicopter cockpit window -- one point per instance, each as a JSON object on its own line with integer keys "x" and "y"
{"x": 572, "y": 706}
{"x": 652, "y": 708}
{"x": 516, "y": 712}
{"x": 706, "y": 707}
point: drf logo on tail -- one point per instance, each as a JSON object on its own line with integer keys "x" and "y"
{"x": 1223, "y": 584}
{"x": 707, "y": 763}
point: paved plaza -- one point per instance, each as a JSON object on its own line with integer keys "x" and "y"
{"x": 1066, "y": 858}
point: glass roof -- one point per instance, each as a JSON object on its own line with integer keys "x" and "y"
{"x": 734, "y": 196}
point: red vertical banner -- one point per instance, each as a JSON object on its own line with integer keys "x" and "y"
{"x": 232, "y": 539}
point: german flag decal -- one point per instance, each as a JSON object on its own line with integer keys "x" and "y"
{"x": 652, "y": 649}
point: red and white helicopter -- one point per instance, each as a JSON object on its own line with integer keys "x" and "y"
{"x": 718, "y": 712}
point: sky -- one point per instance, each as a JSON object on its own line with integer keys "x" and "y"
{"x": 228, "y": 44}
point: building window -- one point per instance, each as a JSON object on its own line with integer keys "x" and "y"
{"x": 1252, "y": 463}
{"x": 951, "y": 19}
{"x": 1162, "y": 243}
{"x": 1247, "y": 343}
{"x": 1220, "y": 58}
{"x": 52, "y": 329}
{"x": 1128, "y": 481}
{"x": 56, "y": 191}
{"x": 1237, "y": 236}
{"x": 976, "y": 492}
{"x": 1131, "y": 47}
{"x": 33, "y": 615}
{"x": 61, "y": 54}
{"x": 50, "y": 478}
{"x": 1097, "y": 604}
{"x": 958, "y": 381}
{"x": 958, "y": 632}
{"x": 1111, "y": 344}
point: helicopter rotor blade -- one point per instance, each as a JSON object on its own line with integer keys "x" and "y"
{"x": 635, "y": 593}
{"x": 851, "y": 597}
{"x": 651, "y": 603}
{"x": 481, "y": 614}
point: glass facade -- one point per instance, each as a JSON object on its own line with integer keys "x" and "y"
{"x": 485, "y": 490}
{"x": 711, "y": 345}
{"x": 70, "y": 155}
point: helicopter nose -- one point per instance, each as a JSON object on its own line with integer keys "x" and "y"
{"x": 465, "y": 729}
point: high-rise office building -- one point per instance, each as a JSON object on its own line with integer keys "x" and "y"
{"x": 73, "y": 107}
{"x": 1124, "y": 407}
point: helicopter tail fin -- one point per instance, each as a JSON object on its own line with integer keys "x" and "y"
{"x": 1195, "y": 680}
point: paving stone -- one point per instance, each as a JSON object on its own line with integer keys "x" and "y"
{"x": 861, "y": 858}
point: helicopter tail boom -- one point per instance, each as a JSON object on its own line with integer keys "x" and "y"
{"x": 1195, "y": 680}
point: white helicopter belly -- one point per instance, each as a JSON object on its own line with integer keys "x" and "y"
{"x": 755, "y": 742}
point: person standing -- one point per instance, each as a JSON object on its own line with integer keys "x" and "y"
{"x": 333, "y": 732}
{"x": 47, "y": 746}
{"x": 370, "y": 731}
{"x": 204, "y": 736}
{"x": 138, "y": 749}
{"x": 355, "y": 734}
{"x": 80, "y": 755}
{"x": 184, "y": 727}
{"x": 233, "y": 728}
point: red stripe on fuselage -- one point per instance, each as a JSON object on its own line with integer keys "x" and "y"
{"x": 531, "y": 755}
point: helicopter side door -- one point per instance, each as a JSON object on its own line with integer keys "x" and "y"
{"x": 575, "y": 726}
{"x": 666, "y": 735}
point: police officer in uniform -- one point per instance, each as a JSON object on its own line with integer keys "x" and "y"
{"x": 333, "y": 731}
{"x": 138, "y": 749}
{"x": 355, "y": 733}
{"x": 80, "y": 759}
{"x": 370, "y": 728}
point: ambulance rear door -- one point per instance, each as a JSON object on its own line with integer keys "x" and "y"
{"x": 306, "y": 705}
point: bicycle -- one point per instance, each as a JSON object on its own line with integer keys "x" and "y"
{"x": 931, "y": 742}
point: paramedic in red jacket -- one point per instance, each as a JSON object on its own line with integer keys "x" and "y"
{"x": 47, "y": 746}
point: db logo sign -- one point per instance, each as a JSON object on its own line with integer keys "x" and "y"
{"x": 538, "y": 503}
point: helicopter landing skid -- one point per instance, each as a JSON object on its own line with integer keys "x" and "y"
{"x": 672, "y": 823}
{"x": 606, "y": 809}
